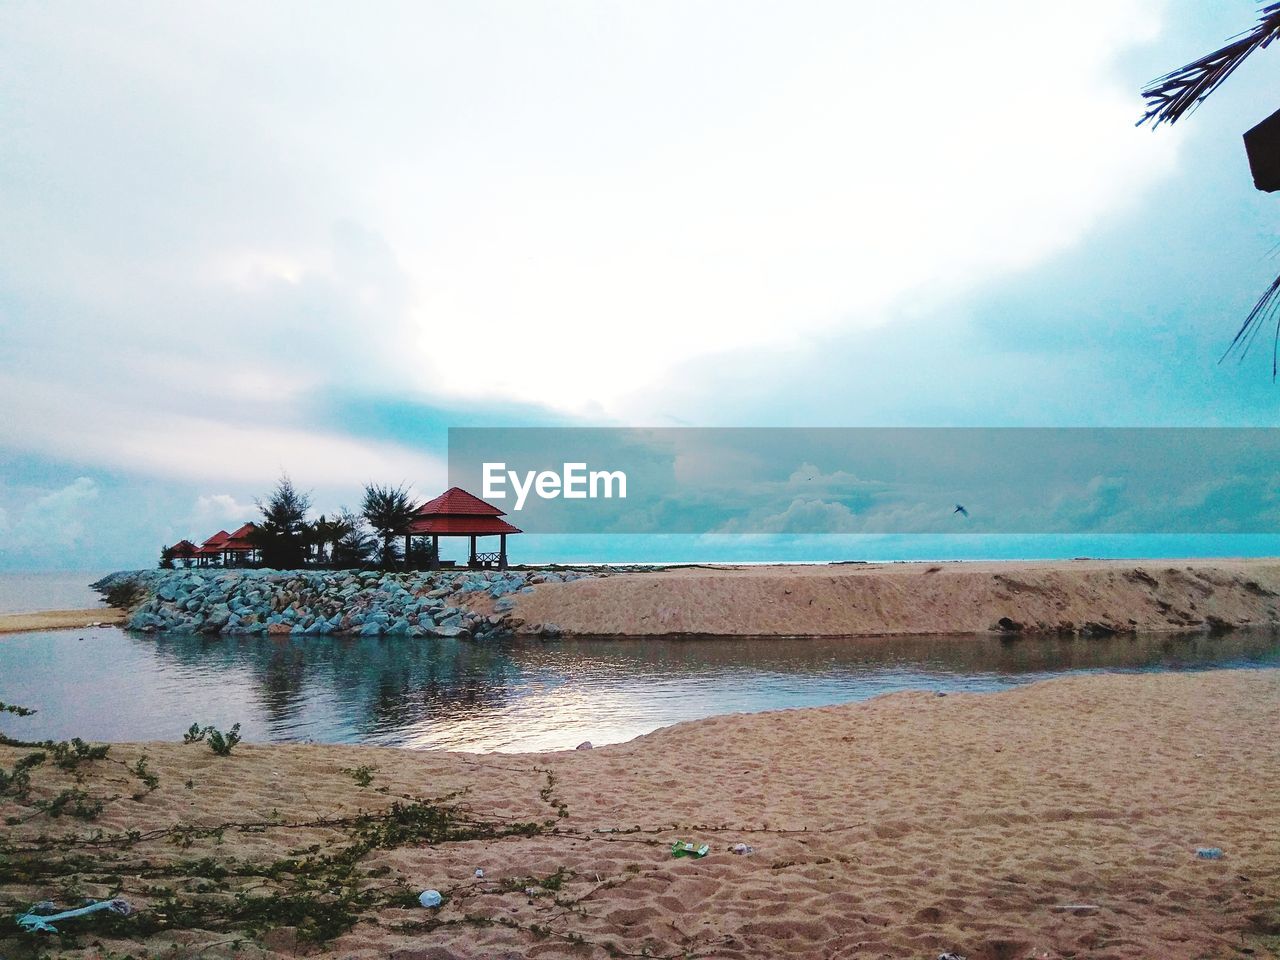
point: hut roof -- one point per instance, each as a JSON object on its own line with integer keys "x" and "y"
{"x": 456, "y": 502}
{"x": 214, "y": 544}
{"x": 184, "y": 549}
{"x": 474, "y": 525}
{"x": 239, "y": 539}
{"x": 458, "y": 513}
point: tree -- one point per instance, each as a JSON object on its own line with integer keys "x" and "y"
{"x": 389, "y": 511}
{"x": 282, "y": 535}
{"x": 1178, "y": 93}
{"x": 353, "y": 544}
{"x": 166, "y": 558}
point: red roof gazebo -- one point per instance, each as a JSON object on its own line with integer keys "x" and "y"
{"x": 456, "y": 513}
{"x": 239, "y": 547}
{"x": 184, "y": 550}
{"x": 211, "y": 550}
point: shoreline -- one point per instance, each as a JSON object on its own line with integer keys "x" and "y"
{"x": 907, "y": 825}
{"x": 61, "y": 619}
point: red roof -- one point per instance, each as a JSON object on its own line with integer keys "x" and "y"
{"x": 239, "y": 540}
{"x": 456, "y": 502}
{"x": 479, "y": 526}
{"x": 214, "y": 543}
{"x": 184, "y": 548}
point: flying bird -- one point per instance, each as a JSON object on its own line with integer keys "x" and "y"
{"x": 960, "y": 510}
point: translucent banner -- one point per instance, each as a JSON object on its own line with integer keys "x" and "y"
{"x": 874, "y": 480}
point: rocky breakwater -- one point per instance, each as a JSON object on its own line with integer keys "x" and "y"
{"x": 319, "y": 602}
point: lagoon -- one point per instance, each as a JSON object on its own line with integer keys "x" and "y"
{"x": 110, "y": 684}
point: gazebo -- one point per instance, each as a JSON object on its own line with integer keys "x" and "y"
{"x": 184, "y": 550}
{"x": 456, "y": 513}
{"x": 209, "y": 553}
{"x": 238, "y": 549}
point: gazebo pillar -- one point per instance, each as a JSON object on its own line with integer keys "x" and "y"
{"x": 471, "y": 561}
{"x": 435, "y": 551}
{"x": 502, "y": 550}
{"x": 406, "y": 552}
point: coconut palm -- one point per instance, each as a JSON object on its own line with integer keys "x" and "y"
{"x": 388, "y": 510}
{"x": 1179, "y": 92}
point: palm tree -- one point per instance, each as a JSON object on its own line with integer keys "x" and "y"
{"x": 388, "y": 510}
{"x": 1179, "y": 92}
{"x": 352, "y": 543}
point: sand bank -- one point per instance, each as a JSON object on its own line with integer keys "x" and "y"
{"x": 910, "y": 598}
{"x": 59, "y": 619}
{"x": 901, "y": 827}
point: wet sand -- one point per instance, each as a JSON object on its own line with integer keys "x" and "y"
{"x": 904, "y": 826}
{"x": 913, "y": 598}
{"x": 60, "y": 619}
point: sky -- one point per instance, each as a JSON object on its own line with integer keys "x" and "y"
{"x": 241, "y": 240}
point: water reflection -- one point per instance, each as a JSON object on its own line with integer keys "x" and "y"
{"x": 108, "y": 684}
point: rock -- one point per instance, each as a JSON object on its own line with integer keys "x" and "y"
{"x": 1007, "y": 625}
{"x": 584, "y": 745}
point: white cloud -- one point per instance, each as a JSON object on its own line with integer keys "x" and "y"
{"x": 53, "y": 520}
{"x": 558, "y": 203}
{"x": 220, "y": 507}
{"x": 78, "y": 426}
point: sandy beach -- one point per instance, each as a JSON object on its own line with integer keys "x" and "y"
{"x": 60, "y": 619}
{"x": 914, "y": 598}
{"x": 1057, "y": 820}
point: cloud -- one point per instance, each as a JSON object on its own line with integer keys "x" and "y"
{"x": 220, "y": 507}
{"x": 78, "y": 425}
{"x": 558, "y": 205}
{"x": 56, "y": 520}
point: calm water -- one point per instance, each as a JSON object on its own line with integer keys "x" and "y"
{"x": 107, "y": 684}
{"x": 29, "y": 592}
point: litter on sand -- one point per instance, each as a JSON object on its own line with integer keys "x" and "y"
{"x": 683, "y": 848}
{"x": 1074, "y": 907}
{"x": 742, "y": 849}
{"x": 43, "y": 922}
{"x": 1209, "y": 853}
{"x": 430, "y": 898}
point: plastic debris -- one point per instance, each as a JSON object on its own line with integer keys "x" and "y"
{"x": 479, "y": 874}
{"x": 1209, "y": 853}
{"x": 683, "y": 848}
{"x": 1074, "y": 907}
{"x": 430, "y": 898}
{"x": 43, "y": 922}
{"x": 742, "y": 849}
{"x": 950, "y": 956}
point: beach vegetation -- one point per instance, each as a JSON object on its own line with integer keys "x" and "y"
{"x": 362, "y": 775}
{"x": 125, "y": 594}
{"x": 389, "y": 511}
{"x": 219, "y": 742}
{"x": 166, "y": 557}
{"x": 282, "y": 535}
{"x": 354, "y": 544}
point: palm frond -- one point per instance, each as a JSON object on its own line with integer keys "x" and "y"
{"x": 1177, "y": 93}
{"x": 1264, "y": 313}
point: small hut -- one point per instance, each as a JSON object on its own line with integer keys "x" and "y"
{"x": 238, "y": 549}
{"x": 184, "y": 550}
{"x": 456, "y": 513}
{"x": 209, "y": 553}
